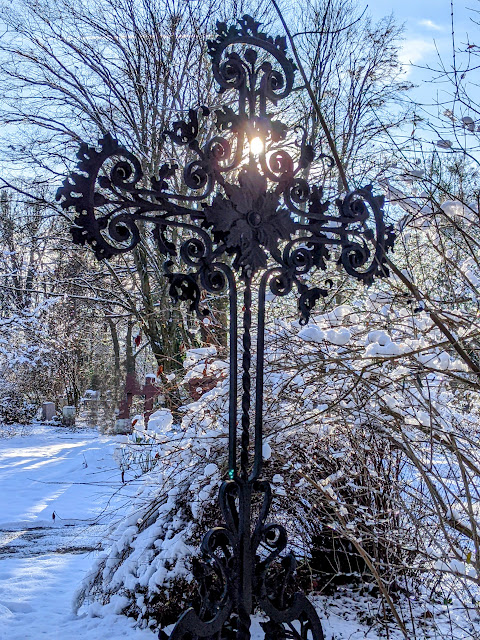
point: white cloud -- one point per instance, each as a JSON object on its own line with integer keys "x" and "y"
{"x": 430, "y": 24}
{"x": 413, "y": 51}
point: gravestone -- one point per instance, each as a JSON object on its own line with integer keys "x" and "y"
{"x": 68, "y": 416}
{"x": 48, "y": 410}
{"x": 123, "y": 426}
{"x": 90, "y": 404}
{"x": 150, "y": 393}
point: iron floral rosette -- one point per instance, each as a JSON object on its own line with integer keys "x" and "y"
{"x": 234, "y": 210}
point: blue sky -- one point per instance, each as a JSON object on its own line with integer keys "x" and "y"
{"x": 428, "y": 28}
{"x": 428, "y": 42}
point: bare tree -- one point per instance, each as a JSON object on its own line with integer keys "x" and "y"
{"x": 73, "y": 71}
{"x": 357, "y": 78}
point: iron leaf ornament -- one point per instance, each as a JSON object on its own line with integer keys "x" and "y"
{"x": 241, "y": 208}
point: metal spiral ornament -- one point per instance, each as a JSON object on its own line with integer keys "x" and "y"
{"x": 229, "y": 214}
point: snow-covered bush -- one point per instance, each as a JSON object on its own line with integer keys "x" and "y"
{"x": 14, "y": 409}
{"x": 370, "y": 420}
{"x": 142, "y": 451}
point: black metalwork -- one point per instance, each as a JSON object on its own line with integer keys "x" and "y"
{"x": 235, "y": 208}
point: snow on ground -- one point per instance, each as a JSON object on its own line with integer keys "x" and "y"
{"x": 36, "y": 601}
{"x": 70, "y": 473}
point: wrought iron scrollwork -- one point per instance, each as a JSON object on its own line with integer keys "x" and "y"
{"x": 241, "y": 204}
{"x": 237, "y": 559}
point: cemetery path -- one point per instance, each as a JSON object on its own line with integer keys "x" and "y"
{"x": 60, "y": 494}
{"x": 56, "y": 489}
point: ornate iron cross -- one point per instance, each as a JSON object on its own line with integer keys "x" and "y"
{"x": 244, "y": 211}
